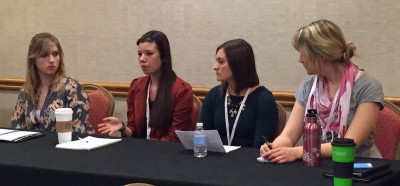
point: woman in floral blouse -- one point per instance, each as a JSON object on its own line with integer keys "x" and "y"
{"x": 47, "y": 88}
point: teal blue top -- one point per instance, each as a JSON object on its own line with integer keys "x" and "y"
{"x": 259, "y": 116}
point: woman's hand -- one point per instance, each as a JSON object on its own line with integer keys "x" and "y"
{"x": 110, "y": 125}
{"x": 264, "y": 149}
{"x": 280, "y": 154}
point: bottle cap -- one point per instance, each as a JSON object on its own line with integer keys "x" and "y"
{"x": 311, "y": 113}
{"x": 199, "y": 124}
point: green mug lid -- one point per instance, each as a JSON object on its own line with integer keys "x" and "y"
{"x": 344, "y": 142}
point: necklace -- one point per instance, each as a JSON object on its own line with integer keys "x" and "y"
{"x": 230, "y": 136}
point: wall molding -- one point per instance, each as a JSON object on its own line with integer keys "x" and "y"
{"x": 286, "y": 98}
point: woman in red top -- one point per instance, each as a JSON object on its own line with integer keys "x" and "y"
{"x": 150, "y": 114}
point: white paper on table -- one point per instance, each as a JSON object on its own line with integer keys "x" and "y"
{"x": 87, "y": 143}
{"x": 262, "y": 160}
{"x": 17, "y": 135}
{"x": 214, "y": 143}
{"x": 5, "y": 131}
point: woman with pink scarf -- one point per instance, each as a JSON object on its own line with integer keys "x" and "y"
{"x": 347, "y": 99}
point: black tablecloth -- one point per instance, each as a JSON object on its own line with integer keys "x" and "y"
{"x": 38, "y": 162}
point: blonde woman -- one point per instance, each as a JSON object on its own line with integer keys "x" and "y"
{"x": 347, "y": 99}
{"x": 47, "y": 88}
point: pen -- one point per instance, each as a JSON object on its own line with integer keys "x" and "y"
{"x": 82, "y": 139}
{"x": 266, "y": 142}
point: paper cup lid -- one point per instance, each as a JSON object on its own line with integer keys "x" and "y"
{"x": 63, "y": 111}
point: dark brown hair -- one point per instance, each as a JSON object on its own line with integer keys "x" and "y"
{"x": 240, "y": 57}
{"x": 161, "y": 111}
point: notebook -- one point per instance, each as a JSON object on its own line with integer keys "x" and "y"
{"x": 11, "y": 135}
{"x": 87, "y": 143}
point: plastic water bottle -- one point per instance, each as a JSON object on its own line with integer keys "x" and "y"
{"x": 199, "y": 141}
{"x": 312, "y": 140}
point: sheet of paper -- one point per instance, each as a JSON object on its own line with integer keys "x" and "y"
{"x": 5, "y": 131}
{"x": 87, "y": 143}
{"x": 16, "y": 135}
{"x": 214, "y": 143}
{"x": 230, "y": 148}
{"x": 262, "y": 160}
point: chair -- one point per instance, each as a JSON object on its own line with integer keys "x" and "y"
{"x": 281, "y": 119}
{"x": 197, "y": 104}
{"x": 387, "y": 135}
{"x": 101, "y": 103}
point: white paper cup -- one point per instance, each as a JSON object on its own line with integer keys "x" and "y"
{"x": 64, "y": 124}
{"x": 64, "y": 137}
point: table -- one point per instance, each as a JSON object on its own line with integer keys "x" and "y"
{"x": 38, "y": 162}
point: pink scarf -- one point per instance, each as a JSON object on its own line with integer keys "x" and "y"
{"x": 333, "y": 114}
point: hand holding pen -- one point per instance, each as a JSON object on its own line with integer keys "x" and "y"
{"x": 268, "y": 143}
{"x": 262, "y": 157}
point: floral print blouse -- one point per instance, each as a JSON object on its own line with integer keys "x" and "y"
{"x": 71, "y": 96}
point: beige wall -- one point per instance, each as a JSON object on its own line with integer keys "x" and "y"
{"x": 99, "y": 36}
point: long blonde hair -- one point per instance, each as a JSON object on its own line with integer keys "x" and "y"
{"x": 323, "y": 40}
{"x": 40, "y": 44}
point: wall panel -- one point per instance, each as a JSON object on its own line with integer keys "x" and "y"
{"x": 99, "y": 36}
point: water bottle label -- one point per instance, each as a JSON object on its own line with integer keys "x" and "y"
{"x": 200, "y": 139}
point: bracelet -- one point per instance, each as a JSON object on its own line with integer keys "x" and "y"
{"x": 123, "y": 127}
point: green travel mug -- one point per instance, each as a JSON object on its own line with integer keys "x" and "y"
{"x": 343, "y": 151}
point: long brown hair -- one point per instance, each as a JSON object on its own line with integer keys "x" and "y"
{"x": 161, "y": 111}
{"x": 241, "y": 61}
{"x": 40, "y": 44}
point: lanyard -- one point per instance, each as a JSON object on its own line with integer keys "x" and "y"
{"x": 230, "y": 137}
{"x": 148, "y": 112}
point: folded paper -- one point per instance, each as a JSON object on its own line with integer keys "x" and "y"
{"x": 214, "y": 143}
